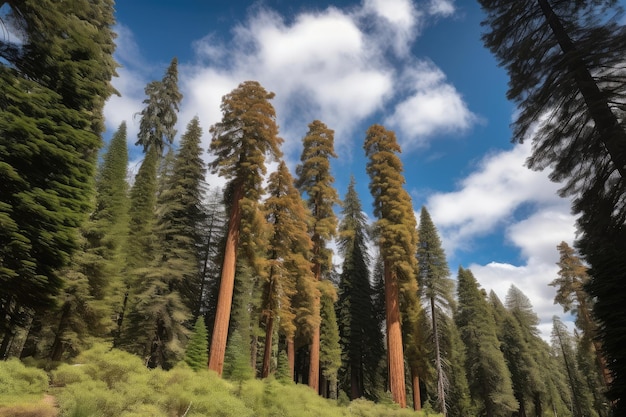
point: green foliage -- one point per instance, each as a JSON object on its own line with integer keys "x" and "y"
{"x": 360, "y": 333}
{"x": 330, "y": 350}
{"x": 487, "y": 373}
{"x": 19, "y": 383}
{"x": 197, "y": 351}
{"x": 237, "y": 360}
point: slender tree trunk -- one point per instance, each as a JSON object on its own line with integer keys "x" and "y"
{"x": 291, "y": 355}
{"x": 355, "y": 386}
{"x": 267, "y": 351}
{"x": 395, "y": 352}
{"x": 120, "y": 321}
{"x": 611, "y": 133}
{"x": 58, "y": 346}
{"x": 568, "y": 368}
{"x": 417, "y": 396}
{"x": 441, "y": 389}
{"x": 314, "y": 358}
{"x": 227, "y": 284}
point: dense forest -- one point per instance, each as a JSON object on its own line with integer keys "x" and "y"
{"x": 162, "y": 281}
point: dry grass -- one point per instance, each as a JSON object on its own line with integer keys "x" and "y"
{"x": 45, "y": 408}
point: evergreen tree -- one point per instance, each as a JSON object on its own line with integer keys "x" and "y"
{"x": 54, "y": 85}
{"x": 359, "y": 328}
{"x": 458, "y": 400}
{"x": 181, "y": 215}
{"x": 330, "y": 350}
{"x": 436, "y": 288}
{"x": 160, "y": 114}
{"x": 565, "y": 63}
{"x": 397, "y": 238}
{"x": 315, "y": 179}
{"x": 572, "y": 296}
{"x": 240, "y": 142}
{"x": 288, "y": 249}
{"x": 525, "y": 374}
{"x": 489, "y": 378}
{"x": 580, "y": 398}
{"x": 197, "y": 350}
{"x": 93, "y": 280}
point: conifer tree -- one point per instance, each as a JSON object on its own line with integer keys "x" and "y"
{"x": 240, "y": 143}
{"x": 288, "y": 250}
{"x": 565, "y": 61}
{"x": 397, "y": 238}
{"x": 330, "y": 351}
{"x": 525, "y": 375}
{"x": 487, "y": 373}
{"x": 197, "y": 350}
{"x": 572, "y": 296}
{"x": 458, "y": 400}
{"x": 315, "y": 179}
{"x": 436, "y": 288}
{"x": 563, "y": 344}
{"x": 360, "y": 336}
{"x": 93, "y": 280}
{"x": 54, "y": 85}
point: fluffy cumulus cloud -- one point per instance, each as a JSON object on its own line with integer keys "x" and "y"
{"x": 433, "y": 107}
{"x": 341, "y": 66}
{"x": 502, "y": 193}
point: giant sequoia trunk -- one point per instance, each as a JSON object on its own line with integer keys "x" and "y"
{"x": 314, "y": 359}
{"x": 417, "y": 397}
{"x": 395, "y": 352}
{"x": 227, "y": 284}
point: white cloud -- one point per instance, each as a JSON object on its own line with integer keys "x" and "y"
{"x": 490, "y": 198}
{"x": 434, "y": 107}
{"x": 441, "y": 7}
{"x": 398, "y": 23}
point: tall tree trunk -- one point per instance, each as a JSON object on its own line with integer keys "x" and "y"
{"x": 395, "y": 352}
{"x": 291, "y": 355}
{"x": 120, "y": 320}
{"x": 58, "y": 346}
{"x": 611, "y": 133}
{"x": 227, "y": 284}
{"x": 267, "y": 351}
{"x": 314, "y": 358}
{"x": 355, "y": 383}
{"x": 441, "y": 389}
{"x": 417, "y": 397}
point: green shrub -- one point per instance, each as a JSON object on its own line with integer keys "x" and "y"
{"x": 19, "y": 383}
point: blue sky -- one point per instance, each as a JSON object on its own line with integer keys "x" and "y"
{"x": 417, "y": 67}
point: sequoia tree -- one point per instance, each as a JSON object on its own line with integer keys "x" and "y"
{"x": 397, "y": 238}
{"x": 315, "y": 179}
{"x": 565, "y": 62}
{"x": 240, "y": 142}
{"x": 288, "y": 252}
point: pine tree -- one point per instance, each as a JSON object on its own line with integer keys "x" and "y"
{"x": 436, "y": 288}
{"x": 525, "y": 374}
{"x": 330, "y": 351}
{"x": 315, "y": 179}
{"x": 240, "y": 142}
{"x": 572, "y": 296}
{"x": 197, "y": 350}
{"x": 565, "y": 63}
{"x": 54, "y": 86}
{"x": 289, "y": 246}
{"x": 458, "y": 400}
{"x": 580, "y": 398}
{"x": 93, "y": 280}
{"x": 181, "y": 215}
{"x": 397, "y": 238}
{"x": 489, "y": 378}
{"x": 360, "y": 336}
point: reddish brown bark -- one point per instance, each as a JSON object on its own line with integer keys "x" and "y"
{"x": 267, "y": 352}
{"x": 314, "y": 359}
{"x": 395, "y": 352}
{"x": 417, "y": 399}
{"x": 225, "y": 296}
{"x": 291, "y": 356}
